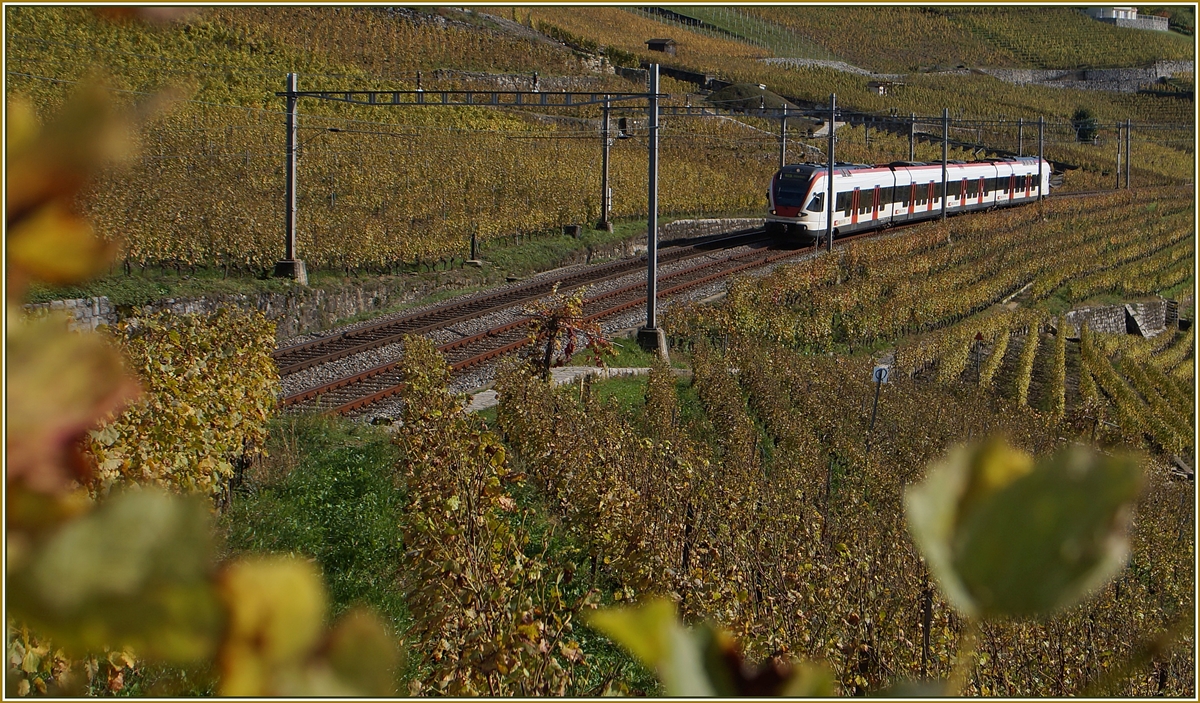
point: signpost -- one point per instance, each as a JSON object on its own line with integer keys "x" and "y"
{"x": 880, "y": 376}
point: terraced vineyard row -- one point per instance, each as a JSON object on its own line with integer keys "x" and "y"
{"x": 710, "y": 490}
{"x": 1101, "y": 383}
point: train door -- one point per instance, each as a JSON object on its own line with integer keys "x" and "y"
{"x": 962, "y": 193}
{"x": 1028, "y": 183}
{"x": 929, "y": 202}
{"x": 912, "y": 197}
{"x": 982, "y": 185}
{"x": 854, "y": 207}
{"x": 875, "y": 204}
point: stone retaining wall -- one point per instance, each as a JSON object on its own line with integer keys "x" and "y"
{"x": 1109, "y": 319}
{"x": 520, "y": 81}
{"x": 1153, "y": 22}
{"x": 86, "y": 313}
{"x": 298, "y": 311}
{"x": 1146, "y": 319}
{"x": 1121, "y": 80}
{"x": 686, "y": 229}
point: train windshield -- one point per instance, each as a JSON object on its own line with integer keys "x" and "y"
{"x": 791, "y": 189}
{"x": 817, "y": 204}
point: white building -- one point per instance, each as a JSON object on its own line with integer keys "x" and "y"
{"x": 1112, "y": 13}
{"x": 1128, "y": 17}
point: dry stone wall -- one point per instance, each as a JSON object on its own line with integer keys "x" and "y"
{"x": 297, "y": 311}
{"x": 1152, "y": 22}
{"x": 1122, "y": 80}
{"x": 1146, "y": 319}
{"x": 686, "y": 229}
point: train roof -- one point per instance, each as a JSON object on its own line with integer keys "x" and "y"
{"x": 806, "y": 170}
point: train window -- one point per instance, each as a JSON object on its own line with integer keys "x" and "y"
{"x": 817, "y": 204}
{"x": 922, "y": 193}
{"x": 972, "y": 189}
{"x": 790, "y": 193}
{"x": 885, "y": 197}
{"x": 954, "y": 189}
{"x": 937, "y": 191}
{"x": 842, "y": 202}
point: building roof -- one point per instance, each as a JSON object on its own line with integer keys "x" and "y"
{"x": 660, "y": 41}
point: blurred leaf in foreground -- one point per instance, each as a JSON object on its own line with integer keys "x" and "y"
{"x": 703, "y": 661}
{"x": 59, "y": 384}
{"x": 273, "y": 643}
{"x": 45, "y": 167}
{"x": 133, "y": 572}
{"x": 1007, "y": 536}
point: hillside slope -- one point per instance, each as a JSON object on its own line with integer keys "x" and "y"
{"x": 915, "y": 38}
{"x": 382, "y": 187}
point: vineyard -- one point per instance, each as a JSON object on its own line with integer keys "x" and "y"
{"x": 944, "y": 273}
{"x": 381, "y": 190}
{"x": 1011, "y": 514}
{"x": 750, "y": 499}
{"x": 920, "y": 38}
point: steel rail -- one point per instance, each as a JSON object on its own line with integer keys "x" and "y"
{"x": 305, "y": 355}
{"x": 511, "y": 336}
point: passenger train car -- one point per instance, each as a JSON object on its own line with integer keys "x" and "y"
{"x": 870, "y": 197}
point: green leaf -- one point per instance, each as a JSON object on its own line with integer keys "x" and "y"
{"x": 1051, "y": 537}
{"x": 133, "y": 571}
{"x": 652, "y": 633}
{"x": 1006, "y": 540}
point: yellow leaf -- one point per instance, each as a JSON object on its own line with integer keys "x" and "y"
{"x": 362, "y": 654}
{"x": 56, "y": 245}
{"x": 29, "y": 664}
{"x": 276, "y": 611}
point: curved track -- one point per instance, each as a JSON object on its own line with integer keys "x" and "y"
{"x": 356, "y": 392}
{"x": 360, "y": 390}
{"x": 321, "y": 351}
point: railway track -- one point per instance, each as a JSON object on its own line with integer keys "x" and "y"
{"x": 352, "y": 394}
{"x": 321, "y": 351}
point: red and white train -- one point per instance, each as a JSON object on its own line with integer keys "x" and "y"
{"x": 870, "y": 197}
